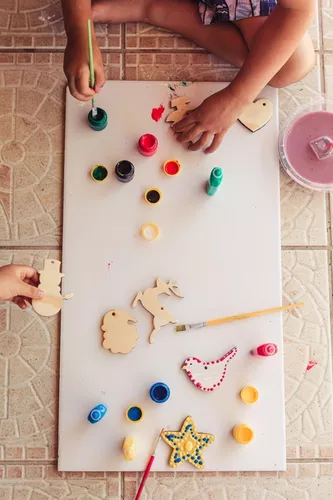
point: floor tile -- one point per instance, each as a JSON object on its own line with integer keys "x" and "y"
{"x": 308, "y": 371}
{"x": 39, "y": 24}
{"x": 29, "y": 349}
{"x": 299, "y": 482}
{"x": 327, "y": 13}
{"x": 303, "y": 212}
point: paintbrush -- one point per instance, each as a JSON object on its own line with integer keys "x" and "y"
{"x": 148, "y": 468}
{"x": 92, "y": 69}
{"x": 229, "y": 319}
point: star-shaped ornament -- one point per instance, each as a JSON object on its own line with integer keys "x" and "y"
{"x": 187, "y": 444}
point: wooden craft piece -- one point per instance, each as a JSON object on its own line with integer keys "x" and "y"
{"x": 180, "y": 103}
{"x": 257, "y": 115}
{"x": 119, "y": 336}
{"x": 187, "y": 444}
{"x": 149, "y": 300}
{"x": 50, "y": 279}
{"x": 209, "y": 375}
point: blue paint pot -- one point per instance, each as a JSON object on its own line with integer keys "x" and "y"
{"x": 97, "y": 414}
{"x": 159, "y": 392}
{"x": 98, "y": 122}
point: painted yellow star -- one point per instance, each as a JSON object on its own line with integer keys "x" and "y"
{"x": 187, "y": 444}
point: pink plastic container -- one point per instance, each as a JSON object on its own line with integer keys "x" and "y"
{"x": 148, "y": 145}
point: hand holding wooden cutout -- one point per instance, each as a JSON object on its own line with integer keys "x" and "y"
{"x": 180, "y": 103}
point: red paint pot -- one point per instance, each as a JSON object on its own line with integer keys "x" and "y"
{"x": 148, "y": 145}
{"x": 265, "y": 350}
{"x": 171, "y": 167}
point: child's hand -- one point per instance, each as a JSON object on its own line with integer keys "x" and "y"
{"x": 18, "y": 284}
{"x": 212, "y": 119}
{"x": 76, "y": 67}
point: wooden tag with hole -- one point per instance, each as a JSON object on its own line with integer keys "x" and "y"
{"x": 257, "y": 115}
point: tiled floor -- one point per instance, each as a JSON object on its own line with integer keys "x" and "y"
{"x": 31, "y": 171}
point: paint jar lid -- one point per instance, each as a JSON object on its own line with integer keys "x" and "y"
{"x": 249, "y": 395}
{"x": 308, "y": 124}
{"x": 153, "y": 196}
{"x": 99, "y": 173}
{"x": 243, "y": 434}
{"x": 171, "y": 167}
{"x": 150, "y": 231}
{"x": 159, "y": 392}
{"x": 134, "y": 414}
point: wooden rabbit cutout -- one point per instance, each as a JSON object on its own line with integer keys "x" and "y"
{"x": 180, "y": 103}
{"x": 149, "y": 300}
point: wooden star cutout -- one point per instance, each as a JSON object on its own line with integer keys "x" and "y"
{"x": 187, "y": 444}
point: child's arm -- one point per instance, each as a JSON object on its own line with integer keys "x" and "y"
{"x": 19, "y": 284}
{"x": 274, "y": 45}
{"x": 76, "y": 63}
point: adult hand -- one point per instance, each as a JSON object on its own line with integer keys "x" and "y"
{"x": 211, "y": 121}
{"x": 19, "y": 284}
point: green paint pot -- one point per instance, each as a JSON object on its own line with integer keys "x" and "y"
{"x": 98, "y": 122}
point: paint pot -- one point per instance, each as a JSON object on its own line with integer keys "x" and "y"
{"x": 243, "y": 434}
{"x": 148, "y": 145}
{"x": 97, "y": 414}
{"x": 134, "y": 414}
{"x": 129, "y": 449}
{"x": 124, "y": 171}
{"x": 215, "y": 180}
{"x": 99, "y": 173}
{"x": 171, "y": 168}
{"x": 298, "y": 140}
{"x": 150, "y": 231}
{"x": 265, "y": 350}
{"x": 159, "y": 392}
{"x": 98, "y": 122}
{"x": 249, "y": 395}
{"x": 153, "y": 196}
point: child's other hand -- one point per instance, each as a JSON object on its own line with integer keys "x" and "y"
{"x": 211, "y": 120}
{"x": 76, "y": 67}
{"x": 19, "y": 284}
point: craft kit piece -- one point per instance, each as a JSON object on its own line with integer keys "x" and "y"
{"x": 119, "y": 336}
{"x": 99, "y": 173}
{"x": 322, "y": 147}
{"x": 153, "y": 196}
{"x": 257, "y": 114}
{"x": 243, "y": 434}
{"x": 249, "y": 395}
{"x": 187, "y": 444}
{"x": 124, "y": 171}
{"x": 159, "y": 392}
{"x": 209, "y": 375}
{"x": 134, "y": 414}
{"x": 97, "y": 414}
{"x": 229, "y": 319}
{"x": 265, "y": 350}
{"x": 99, "y": 121}
{"x": 171, "y": 167}
{"x": 149, "y": 300}
{"x": 180, "y": 103}
{"x": 148, "y": 469}
{"x": 50, "y": 279}
{"x": 148, "y": 145}
{"x": 215, "y": 180}
{"x": 150, "y": 231}
{"x": 129, "y": 449}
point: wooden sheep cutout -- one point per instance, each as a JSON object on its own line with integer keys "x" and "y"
{"x": 119, "y": 336}
{"x": 50, "y": 279}
{"x": 149, "y": 300}
{"x": 180, "y": 103}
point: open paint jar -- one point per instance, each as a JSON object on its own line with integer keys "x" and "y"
{"x": 306, "y": 146}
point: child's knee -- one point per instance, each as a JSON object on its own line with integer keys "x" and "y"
{"x": 297, "y": 68}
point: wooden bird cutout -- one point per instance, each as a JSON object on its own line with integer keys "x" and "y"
{"x": 257, "y": 115}
{"x": 180, "y": 103}
{"x": 149, "y": 300}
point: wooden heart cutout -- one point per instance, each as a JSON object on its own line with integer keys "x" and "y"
{"x": 257, "y": 115}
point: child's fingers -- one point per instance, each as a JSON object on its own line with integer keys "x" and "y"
{"x": 99, "y": 78}
{"x": 189, "y": 119}
{"x": 25, "y": 290}
{"x": 201, "y": 143}
{"x": 191, "y": 135}
{"x": 20, "y": 302}
{"x": 216, "y": 142}
{"x": 82, "y": 85}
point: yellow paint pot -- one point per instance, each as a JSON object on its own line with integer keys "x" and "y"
{"x": 249, "y": 395}
{"x": 243, "y": 434}
{"x": 150, "y": 231}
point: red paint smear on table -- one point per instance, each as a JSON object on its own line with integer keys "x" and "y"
{"x": 156, "y": 113}
{"x": 311, "y": 365}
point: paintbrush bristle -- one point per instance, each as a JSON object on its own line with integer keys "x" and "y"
{"x": 180, "y": 328}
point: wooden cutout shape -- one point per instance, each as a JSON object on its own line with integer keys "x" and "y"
{"x": 149, "y": 300}
{"x": 120, "y": 336}
{"x": 257, "y": 115}
{"x": 209, "y": 375}
{"x": 188, "y": 444}
{"x": 50, "y": 279}
{"x": 180, "y": 103}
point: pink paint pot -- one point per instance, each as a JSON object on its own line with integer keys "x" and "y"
{"x": 265, "y": 350}
{"x": 148, "y": 145}
{"x": 305, "y": 128}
